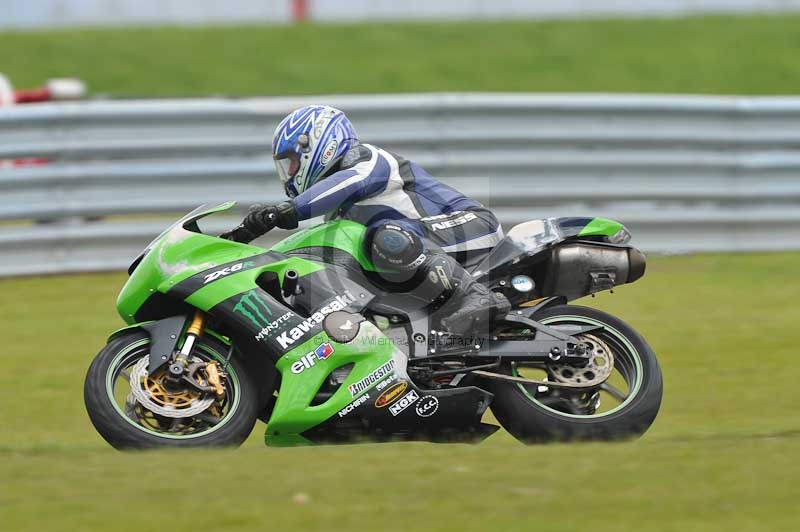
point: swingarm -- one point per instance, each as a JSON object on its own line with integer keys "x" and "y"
{"x": 547, "y": 345}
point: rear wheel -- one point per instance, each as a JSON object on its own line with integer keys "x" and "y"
{"x": 615, "y": 396}
{"x": 132, "y": 409}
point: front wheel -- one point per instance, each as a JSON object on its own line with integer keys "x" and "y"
{"x": 132, "y": 409}
{"x": 615, "y": 396}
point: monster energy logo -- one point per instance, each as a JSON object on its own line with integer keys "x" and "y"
{"x": 253, "y": 308}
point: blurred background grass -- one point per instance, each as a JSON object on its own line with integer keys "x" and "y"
{"x": 720, "y": 55}
{"x": 722, "y": 455}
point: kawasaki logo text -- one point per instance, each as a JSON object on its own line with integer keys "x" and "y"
{"x": 294, "y": 334}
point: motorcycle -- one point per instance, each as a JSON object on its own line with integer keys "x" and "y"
{"x": 306, "y": 337}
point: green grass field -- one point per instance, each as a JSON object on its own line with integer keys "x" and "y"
{"x": 722, "y": 455}
{"x": 720, "y": 55}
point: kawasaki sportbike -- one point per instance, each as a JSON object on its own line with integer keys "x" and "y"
{"x": 304, "y": 337}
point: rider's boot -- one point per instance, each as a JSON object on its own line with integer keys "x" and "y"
{"x": 470, "y": 305}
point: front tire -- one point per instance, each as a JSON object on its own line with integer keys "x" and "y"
{"x": 541, "y": 414}
{"x": 126, "y": 423}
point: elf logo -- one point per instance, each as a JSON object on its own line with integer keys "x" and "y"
{"x": 227, "y": 271}
{"x": 294, "y": 334}
{"x": 309, "y": 360}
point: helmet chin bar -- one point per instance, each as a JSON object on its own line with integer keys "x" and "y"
{"x": 288, "y": 164}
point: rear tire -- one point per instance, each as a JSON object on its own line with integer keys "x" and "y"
{"x": 535, "y": 416}
{"x": 108, "y": 412}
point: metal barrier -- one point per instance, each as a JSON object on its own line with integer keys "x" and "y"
{"x": 685, "y": 173}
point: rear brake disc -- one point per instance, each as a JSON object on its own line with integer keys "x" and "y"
{"x": 600, "y": 365}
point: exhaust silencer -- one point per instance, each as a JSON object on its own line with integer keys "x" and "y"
{"x": 578, "y": 269}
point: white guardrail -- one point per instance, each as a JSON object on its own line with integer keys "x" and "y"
{"x": 684, "y": 173}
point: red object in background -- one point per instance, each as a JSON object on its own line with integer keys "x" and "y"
{"x": 32, "y": 95}
{"x": 299, "y": 10}
{"x": 31, "y": 161}
{"x": 54, "y": 89}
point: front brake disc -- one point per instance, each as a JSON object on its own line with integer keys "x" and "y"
{"x": 151, "y": 393}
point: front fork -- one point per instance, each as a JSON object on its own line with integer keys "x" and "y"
{"x": 192, "y": 334}
{"x": 182, "y": 366}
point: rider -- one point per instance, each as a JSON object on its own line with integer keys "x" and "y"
{"x": 413, "y": 220}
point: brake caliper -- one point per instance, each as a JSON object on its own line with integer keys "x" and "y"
{"x": 215, "y": 379}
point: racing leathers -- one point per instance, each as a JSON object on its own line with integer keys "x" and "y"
{"x": 416, "y": 227}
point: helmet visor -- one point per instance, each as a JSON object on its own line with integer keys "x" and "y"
{"x": 288, "y": 164}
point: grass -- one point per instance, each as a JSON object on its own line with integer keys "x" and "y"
{"x": 721, "y": 455}
{"x": 720, "y": 55}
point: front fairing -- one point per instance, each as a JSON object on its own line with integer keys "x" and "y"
{"x": 178, "y": 253}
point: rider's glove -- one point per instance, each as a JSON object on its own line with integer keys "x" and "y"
{"x": 285, "y": 215}
{"x": 239, "y": 234}
{"x": 262, "y": 219}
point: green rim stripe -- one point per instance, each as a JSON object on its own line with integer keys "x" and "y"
{"x": 619, "y": 336}
{"x": 110, "y": 392}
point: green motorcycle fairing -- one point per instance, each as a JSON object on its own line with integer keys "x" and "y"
{"x": 599, "y": 227}
{"x": 342, "y": 235}
{"x": 226, "y": 279}
{"x": 176, "y": 254}
{"x": 305, "y": 370}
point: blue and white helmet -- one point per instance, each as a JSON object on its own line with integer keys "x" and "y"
{"x": 307, "y": 145}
